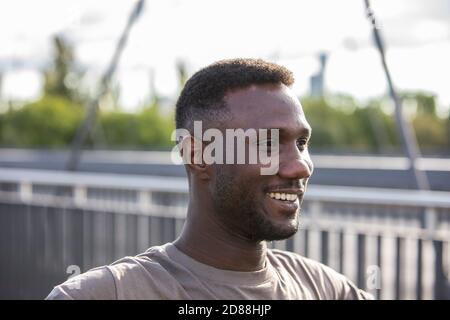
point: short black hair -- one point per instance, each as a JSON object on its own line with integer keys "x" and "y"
{"x": 202, "y": 96}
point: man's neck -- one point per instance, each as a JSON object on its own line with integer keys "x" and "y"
{"x": 209, "y": 242}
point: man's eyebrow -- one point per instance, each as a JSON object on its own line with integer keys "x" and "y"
{"x": 304, "y": 131}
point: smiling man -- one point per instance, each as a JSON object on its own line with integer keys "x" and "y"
{"x": 233, "y": 209}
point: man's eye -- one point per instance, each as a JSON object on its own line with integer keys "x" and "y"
{"x": 302, "y": 144}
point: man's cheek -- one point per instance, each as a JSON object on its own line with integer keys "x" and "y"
{"x": 246, "y": 177}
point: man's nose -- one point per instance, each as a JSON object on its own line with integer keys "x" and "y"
{"x": 296, "y": 165}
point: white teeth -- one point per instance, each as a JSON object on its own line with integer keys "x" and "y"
{"x": 283, "y": 196}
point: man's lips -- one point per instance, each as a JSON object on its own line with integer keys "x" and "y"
{"x": 285, "y": 194}
{"x": 285, "y": 201}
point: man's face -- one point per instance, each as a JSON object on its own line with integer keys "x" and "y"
{"x": 245, "y": 200}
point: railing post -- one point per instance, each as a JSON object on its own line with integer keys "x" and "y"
{"x": 431, "y": 221}
{"x": 341, "y": 251}
{"x": 324, "y": 244}
{"x": 419, "y": 289}
{"x": 79, "y": 195}
{"x": 441, "y": 283}
{"x": 315, "y": 212}
{"x": 25, "y": 191}
{"x": 144, "y": 201}
{"x": 379, "y": 262}
{"x": 361, "y": 256}
{"x": 399, "y": 265}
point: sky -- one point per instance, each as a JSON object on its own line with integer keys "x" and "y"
{"x": 198, "y": 32}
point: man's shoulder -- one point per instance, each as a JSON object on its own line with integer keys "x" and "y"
{"x": 112, "y": 281}
{"x": 97, "y": 283}
{"x": 327, "y": 282}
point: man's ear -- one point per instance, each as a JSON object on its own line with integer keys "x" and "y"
{"x": 191, "y": 152}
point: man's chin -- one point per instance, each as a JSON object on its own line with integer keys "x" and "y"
{"x": 280, "y": 236}
{"x": 277, "y": 232}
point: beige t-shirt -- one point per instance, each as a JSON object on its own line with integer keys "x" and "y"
{"x": 164, "y": 272}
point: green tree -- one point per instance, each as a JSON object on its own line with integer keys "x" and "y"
{"x": 155, "y": 129}
{"x": 340, "y": 123}
{"x": 48, "y": 122}
{"x": 431, "y": 133}
{"x": 147, "y": 129}
{"x": 426, "y": 102}
{"x": 62, "y": 78}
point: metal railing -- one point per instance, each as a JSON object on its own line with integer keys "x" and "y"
{"x": 393, "y": 243}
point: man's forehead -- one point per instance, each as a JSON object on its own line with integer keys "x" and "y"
{"x": 265, "y": 106}
{"x": 260, "y": 93}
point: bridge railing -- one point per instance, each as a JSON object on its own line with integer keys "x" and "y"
{"x": 394, "y": 243}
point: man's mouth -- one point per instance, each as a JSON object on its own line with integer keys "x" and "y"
{"x": 292, "y": 197}
{"x": 284, "y": 201}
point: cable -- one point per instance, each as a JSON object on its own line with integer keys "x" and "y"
{"x": 86, "y": 126}
{"x": 406, "y": 132}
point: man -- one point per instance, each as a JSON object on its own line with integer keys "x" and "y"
{"x": 233, "y": 209}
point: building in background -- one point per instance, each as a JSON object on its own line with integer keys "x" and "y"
{"x": 317, "y": 81}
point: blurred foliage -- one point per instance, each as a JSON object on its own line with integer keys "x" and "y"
{"x": 339, "y": 122}
{"x": 148, "y": 129}
{"x": 425, "y": 103}
{"x": 432, "y": 133}
{"x": 63, "y": 78}
{"x": 52, "y": 122}
{"x": 48, "y": 122}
